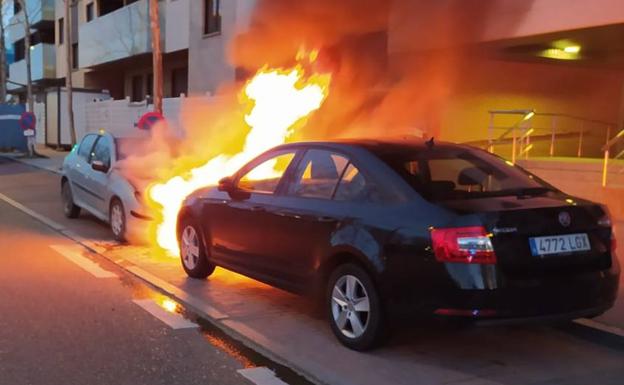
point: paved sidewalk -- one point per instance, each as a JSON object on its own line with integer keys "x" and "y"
{"x": 51, "y": 159}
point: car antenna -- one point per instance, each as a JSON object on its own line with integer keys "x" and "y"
{"x": 430, "y": 143}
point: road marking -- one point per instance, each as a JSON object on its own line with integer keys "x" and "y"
{"x": 74, "y": 254}
{"x": 47, "y": 221}
{"x": 180, "y": 294}
{"x": 600, "y": 326}
{"x": 261, "y": 376}
{"x": 172, "y": 319}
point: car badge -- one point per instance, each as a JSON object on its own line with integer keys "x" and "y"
{"x": 565, "y": 219}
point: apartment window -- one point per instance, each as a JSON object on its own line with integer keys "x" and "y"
{"x": 137, "y": 88}
{"x": 19, "y": 49}
{"x": 150, "y": 85}
{"x": 75, "y": 56}
{"x": 61, "y": 31}
{"x": 17, "y": 7}
{"x": 212, "y": 17}
{"x": 90, "y": 10}
{"x": 179, "y": 82}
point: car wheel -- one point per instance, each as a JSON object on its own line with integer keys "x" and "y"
{"x": 193, "y": 253}
{"x": 117, "y": 219}
{"x": 69, "y": 207}
{"x": 355, "y": 311}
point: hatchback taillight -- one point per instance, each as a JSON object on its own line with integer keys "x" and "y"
{"x": 463, "y": 245}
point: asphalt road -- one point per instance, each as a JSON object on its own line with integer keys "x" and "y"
{"x": 60, "y": 324}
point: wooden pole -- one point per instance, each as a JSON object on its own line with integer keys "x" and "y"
{"x": 156, "y": 55}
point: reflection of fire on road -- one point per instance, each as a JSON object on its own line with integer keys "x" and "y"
{"x": 279, "y": 100}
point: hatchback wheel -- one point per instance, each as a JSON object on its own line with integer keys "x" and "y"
{"x": 355, "y": 312}
{"x": 69, "y": 208}
{"x": 192, "y": 252}
{"x": 117, "y": 219}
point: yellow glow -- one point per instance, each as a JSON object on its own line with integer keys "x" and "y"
{"x": 101, "y": 131}
{"x": 559, "y": 54}
{"x": 529, "y": 115}
{"x": 572, "y": 49}
{"x": 279, "y": 99}
{"x": 570, "y": 201}
{"x": 509, "y": 163}
{"x": 169, "y": 305}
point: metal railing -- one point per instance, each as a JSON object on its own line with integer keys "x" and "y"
{"x": 524, "y": 132}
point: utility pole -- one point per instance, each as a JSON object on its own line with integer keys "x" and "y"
{"x": 68, "y": 74}
{"x": 3, "y": 63}
{"x": 156, "y": 55}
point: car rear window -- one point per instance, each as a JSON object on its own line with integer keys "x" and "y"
{"x": 462, "y": 173}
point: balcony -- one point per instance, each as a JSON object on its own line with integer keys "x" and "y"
{"x": 42, "y": 62}
{"x": 126, "y": 32}
{"x": 39, "y": 11}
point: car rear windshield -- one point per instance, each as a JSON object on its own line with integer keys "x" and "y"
{"x": 453, "y": 173}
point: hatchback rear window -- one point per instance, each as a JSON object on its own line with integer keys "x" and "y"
{"x": 461, "y": 173}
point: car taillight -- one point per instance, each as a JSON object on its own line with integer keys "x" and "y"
{"x": 605, "y": 219}
{"x": 463, "y": 245}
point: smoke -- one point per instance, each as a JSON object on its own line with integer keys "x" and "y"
{"x": 394, "y": 64}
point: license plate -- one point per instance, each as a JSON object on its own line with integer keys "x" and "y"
{"x": 559, "y": 244}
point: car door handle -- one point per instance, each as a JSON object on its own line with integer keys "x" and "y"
{"x": 257, "y": 208}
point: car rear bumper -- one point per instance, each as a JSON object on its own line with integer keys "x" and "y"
{"x": 553, "y": 297}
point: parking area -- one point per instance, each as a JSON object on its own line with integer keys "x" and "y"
{"x": 289, "y": 328}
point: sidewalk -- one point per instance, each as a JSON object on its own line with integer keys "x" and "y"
{"x": 51, "y": 159}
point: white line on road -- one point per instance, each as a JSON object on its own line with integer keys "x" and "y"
{"x": 261, "y": 376}
{"x": 47, "y": 221}
{"x": 74, "y": 254}
{"x": 600, "y": 326}
{"x": 174, "y": 320}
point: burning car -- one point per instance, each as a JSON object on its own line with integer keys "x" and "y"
{"x": 382, "y": 228}
{"x": 92, "y": 181}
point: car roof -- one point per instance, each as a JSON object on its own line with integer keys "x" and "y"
{"x": 377, "y": 145}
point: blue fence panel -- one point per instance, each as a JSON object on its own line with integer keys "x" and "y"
{"x": 11, "y": 134}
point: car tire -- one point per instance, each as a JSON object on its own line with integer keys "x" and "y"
{"x": 117, "y": 220}
{"x": 69, "y": 207}
{"x": 193, "y": 253}
{"x": 355, "y": 310}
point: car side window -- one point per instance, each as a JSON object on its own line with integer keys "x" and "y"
{"x": 317, "y": 174}
{"x": 102, "y": 152}
{"x": 265, "y": 177}
{"x": 355, "y": 187}
{"x": 86, "y": 146}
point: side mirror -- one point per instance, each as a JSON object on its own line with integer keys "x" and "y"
{"x": 98, "y": 165}
{"x": 226, "y": 184}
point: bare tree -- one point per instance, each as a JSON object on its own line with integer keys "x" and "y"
{"x": 156, "y": 55}
{"x": 3, "y": 63}
{"x": 29, "y": 94}
{"x": 68, "y": 74}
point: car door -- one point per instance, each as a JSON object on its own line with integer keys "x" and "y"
{"x": 240, "y": 228}
{"x": 79, "y": 169}
{"x": 327, "y": 192}
{"x": 97, "y": 181}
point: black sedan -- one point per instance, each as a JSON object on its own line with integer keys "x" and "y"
{"x": 387, "y": 228}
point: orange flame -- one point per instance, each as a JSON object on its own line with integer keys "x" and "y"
{"x": 279, "y": 100}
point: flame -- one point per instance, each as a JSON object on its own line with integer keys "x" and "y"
{"x": 279, "y": 99}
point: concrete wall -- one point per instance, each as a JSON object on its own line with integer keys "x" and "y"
{"x": 208, "y": 64}
{"x": 438, "y": 24}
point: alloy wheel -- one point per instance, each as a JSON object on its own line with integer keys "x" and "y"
{"x": 350, "y": 306}
{"x": 190, "y": 247}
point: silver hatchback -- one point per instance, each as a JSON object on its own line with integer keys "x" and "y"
{"x": 92, "y": 181}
